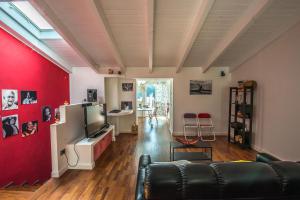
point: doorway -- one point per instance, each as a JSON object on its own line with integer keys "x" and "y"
{"x": 154, "y": 101}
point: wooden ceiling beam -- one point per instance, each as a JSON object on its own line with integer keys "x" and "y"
{"x": 254, "y": 10}
{"x": 59, "y": 27}
{"x": 108, "y": 33}
{"x": 198, "y": 22}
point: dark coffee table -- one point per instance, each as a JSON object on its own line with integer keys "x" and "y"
{"x": 191, "y": 156}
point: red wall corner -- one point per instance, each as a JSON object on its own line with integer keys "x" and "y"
{"x": 28, "y": 159}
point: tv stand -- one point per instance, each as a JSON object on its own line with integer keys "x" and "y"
{"x": 89, "y": 149}
{"x": 99, "y": 134}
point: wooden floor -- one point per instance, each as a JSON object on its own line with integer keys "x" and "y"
{"x": 114, "y": 176}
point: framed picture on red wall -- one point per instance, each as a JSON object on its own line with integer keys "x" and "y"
{"x": 29, "y": 128}
{"x": 9, "y": 99}
{"x": 46, "y": 114}
{"x": 10, "y": 126}
{"x": 28, "y": 97}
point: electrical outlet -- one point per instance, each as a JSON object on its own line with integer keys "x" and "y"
{"x": 62, "y": 152}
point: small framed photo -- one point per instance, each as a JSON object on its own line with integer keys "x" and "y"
{"x": 46, "y": 114}
{"x": 29, "y": 128}
{"x": 28, "y": 97}
{"x": 92, "y": 95}
{"x": 9, "y": 99}
{"x": 126, "y": 105}
{"x": 57, "y": 114}
{"x": 127, "y": 87}
{"x": 200, "y": 87}
{"x": 10, "y": 126}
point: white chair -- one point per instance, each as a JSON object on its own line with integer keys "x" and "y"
{"x": 205, "y": 123}
{"x": 190, "y": 121}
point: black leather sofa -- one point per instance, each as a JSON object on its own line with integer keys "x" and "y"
{"x": 267, "y": 178}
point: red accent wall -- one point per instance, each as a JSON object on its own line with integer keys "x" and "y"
{"x": 28, "y": 159}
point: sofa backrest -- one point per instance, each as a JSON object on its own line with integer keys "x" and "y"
{"x": 229, "y": 180}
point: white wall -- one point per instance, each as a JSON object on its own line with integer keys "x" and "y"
{"x": 83, "y": 78}
{"x": 216, "y": 104}
{"x": 70, "y": 128}
{"x": 276, "y": 70}
{"x": 112, "y": 93}
{"x": 113, "y": 98}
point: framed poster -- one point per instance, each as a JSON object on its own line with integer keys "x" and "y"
{"x": 9, "y": 99}
{"x": 199, "y": 87}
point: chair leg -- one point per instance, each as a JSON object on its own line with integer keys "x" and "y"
{"x": 207, "y": 140}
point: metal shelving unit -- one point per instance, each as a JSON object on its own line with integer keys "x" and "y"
{"x": 240, "y": 117}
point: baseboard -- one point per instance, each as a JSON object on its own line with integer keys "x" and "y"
{"x": 256, "y": 148}
{"x": 84, "y": 166}
{"x": 260, "y": 149}
{"x": 58, "y": 173}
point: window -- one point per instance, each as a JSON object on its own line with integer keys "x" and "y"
{"x": 22, "y": 15}
{"x": 29, "y": 12}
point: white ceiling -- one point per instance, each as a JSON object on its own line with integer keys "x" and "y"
{"x": 184, "y": 33}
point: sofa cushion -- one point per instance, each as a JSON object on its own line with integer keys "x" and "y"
{"x": 290, "y": 176}
{"x": 163, "y": 181}
{"x": 247, "y": 180}
{"x": 200, "y": 182}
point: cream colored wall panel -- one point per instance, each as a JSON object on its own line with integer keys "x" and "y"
{"x": 82, "y": 21}
{"x": 127, "y": 22}
{"x": 221, "y": 18}
{"x": 171, "y": 23}
{"x": 276, "y": 20}
{"x": 66, "y": 52}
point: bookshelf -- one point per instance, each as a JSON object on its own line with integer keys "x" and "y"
{"x": 240, "y": 117}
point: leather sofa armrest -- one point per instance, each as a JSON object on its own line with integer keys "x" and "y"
{"x": 266, "y": 158}
{"x": 144, "y": 161}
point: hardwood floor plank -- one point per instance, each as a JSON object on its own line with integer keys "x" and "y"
{"x": 114, "y": 175}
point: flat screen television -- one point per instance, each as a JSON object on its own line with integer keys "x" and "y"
{"x": 95, "y": 119}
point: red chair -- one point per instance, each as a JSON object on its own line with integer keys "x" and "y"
{"x": 190, "y": 121}
{"x": 206, "y": 125}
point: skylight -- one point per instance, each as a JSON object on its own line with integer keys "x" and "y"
{"x": 32, "y": 14}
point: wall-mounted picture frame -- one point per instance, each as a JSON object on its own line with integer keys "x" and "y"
{"x": 57, "y": 114}
{"x": 28, "y": 97}
{"x": 10, "y": 125}
{"x": 127, "y": 87}
{"x": 92, "y": 95}
{"x": 200, "y": 87}
{"x": 29, "y": 128}
{"x": 9, "y": 99}
{"x": 126, "y": 105}
{"x": 46, "y": 113}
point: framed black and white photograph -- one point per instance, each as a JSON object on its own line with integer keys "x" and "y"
{"x": 126, "y": 105}
{"x": 57, "y": 114}
{"x": 127, "y": 87}
{"x": 199, "y": 87}
{"x": 10, "y": 126}
{"x": 92, "y": 95}
{"x": 46, "y": 112}
{"x": 29, "y": 128}
{"x": 28, "y": 97}
{"x": 9, "y": 99}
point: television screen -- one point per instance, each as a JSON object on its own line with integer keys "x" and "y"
{"x": 95, "y": 119}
